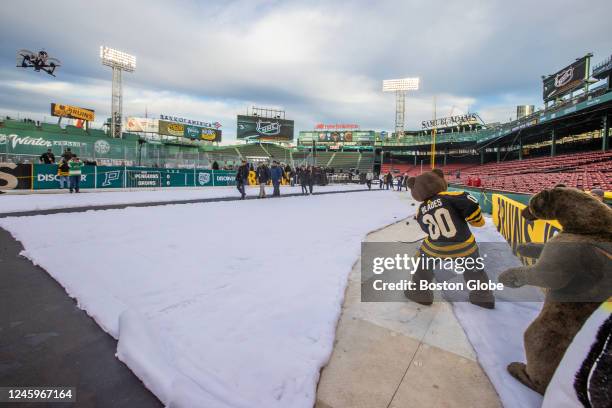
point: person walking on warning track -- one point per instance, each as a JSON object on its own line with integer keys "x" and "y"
{"x": 389, "y": 181}
{"x": 242, "y": 176}
{"x": 75, "y": 165}
{"x": 304, "y": 177}
{"x": 313, "y": 172}
{"x": 263, "y": 176}
{"x": 276, "y": 174}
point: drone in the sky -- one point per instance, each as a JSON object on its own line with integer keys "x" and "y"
{"x": 39, "y": 61}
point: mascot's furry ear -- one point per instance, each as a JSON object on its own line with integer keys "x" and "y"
{"x": 410, "y": 182}
{"x": 438, "y": 172}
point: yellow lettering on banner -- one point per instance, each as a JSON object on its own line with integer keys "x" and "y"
{"x": 252, "y": 178}
{"x": 516, "y": 229}
{"x": 73, "y": 112}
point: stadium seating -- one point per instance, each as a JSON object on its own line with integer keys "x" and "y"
{"x": 19, "y": 124}
{"x": 586, "y": 171}
{"x": 323, "y": 158}
{"x": 411, "y": 170}
{"x": 51, "y": 127}
{"x": 96, "y": 133}
{"x": 252, "y": 150}
{"x": 73, "y": 130}
{"x": 277, "y": 153}
{"x": 344, "y": 160}
{"x": 366, "y": 163}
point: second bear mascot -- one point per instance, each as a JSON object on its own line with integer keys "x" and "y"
{"x": 574, "y": 268}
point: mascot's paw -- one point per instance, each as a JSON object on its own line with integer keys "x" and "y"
{"x": 512, "y": 278}
{"x": 530, "y": 250}
{"x": 519, "y": 371}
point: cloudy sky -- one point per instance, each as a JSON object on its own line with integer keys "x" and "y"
{"x": 321, "y": 61}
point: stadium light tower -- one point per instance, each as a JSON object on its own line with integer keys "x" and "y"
{"x": 400, "y": 87}
{"x": 119, "y": 61}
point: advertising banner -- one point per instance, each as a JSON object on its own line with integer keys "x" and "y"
{"x": 516, "y": 229}
{"x": 45, "y": 177}
{"x": 210, "y": 135}
{"x": 185, "y": 121}
{"x": 255, "y": 127}
{"x": 192, "y": 132}
{"x": 171, "y": 129}
{"x": 335, "y": 137}
{"x": 36, "y": 142}
{"x": 15, "y": 176}
{"x": 336, "y": 126}
{"x": 566, "y": 80}
{"x": 72, "y": 112}
{"x": 457, "y": 120}
{"x": 142, "y": 125}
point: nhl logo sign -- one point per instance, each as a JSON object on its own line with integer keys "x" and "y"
{"x": 268, "y": 128}
{"x": 203, "y": 178}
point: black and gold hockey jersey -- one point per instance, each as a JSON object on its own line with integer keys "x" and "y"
{"x": 445, "y": 218}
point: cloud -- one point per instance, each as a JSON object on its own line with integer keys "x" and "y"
{"x": 321, "y": 61}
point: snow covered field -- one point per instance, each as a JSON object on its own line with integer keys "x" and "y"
{"x": 53, "y": 200}
{"x": 215, "y": 304}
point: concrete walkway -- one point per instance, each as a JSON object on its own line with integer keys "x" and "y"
{"x": 401, "y": 354}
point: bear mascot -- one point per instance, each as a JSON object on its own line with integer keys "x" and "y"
{"x": 575, "y": 270}
{"x": 444, "y": 216}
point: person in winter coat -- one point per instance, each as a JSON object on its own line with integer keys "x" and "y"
{"x": 242, "y": 176}
{"x": 75, "y": 165}
{"x": 400, "y": 181}
{"x": 304, "y": 177}
{"x": 263, "y": 176}
{"x": 215, "y": 165}
{"x": 389, "y": 181}
{"x": 48, "y": 157}
{"x": 63, "y": 173}
{"x": 369, "y": 177}
{"x": 313, "y": 172}
{"x": 276, "y": 174}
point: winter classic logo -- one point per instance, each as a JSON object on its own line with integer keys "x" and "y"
{"x": 203, "y": 178}
{"x": 268, "y": 128}
{"x": 102, "y": 147}
{"x": 564, "y": 77}
{"x": 15, "y": 140}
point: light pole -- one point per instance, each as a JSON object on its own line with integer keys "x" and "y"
{"x": 119, "y": 61}
{"x": 400, "y": 87}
